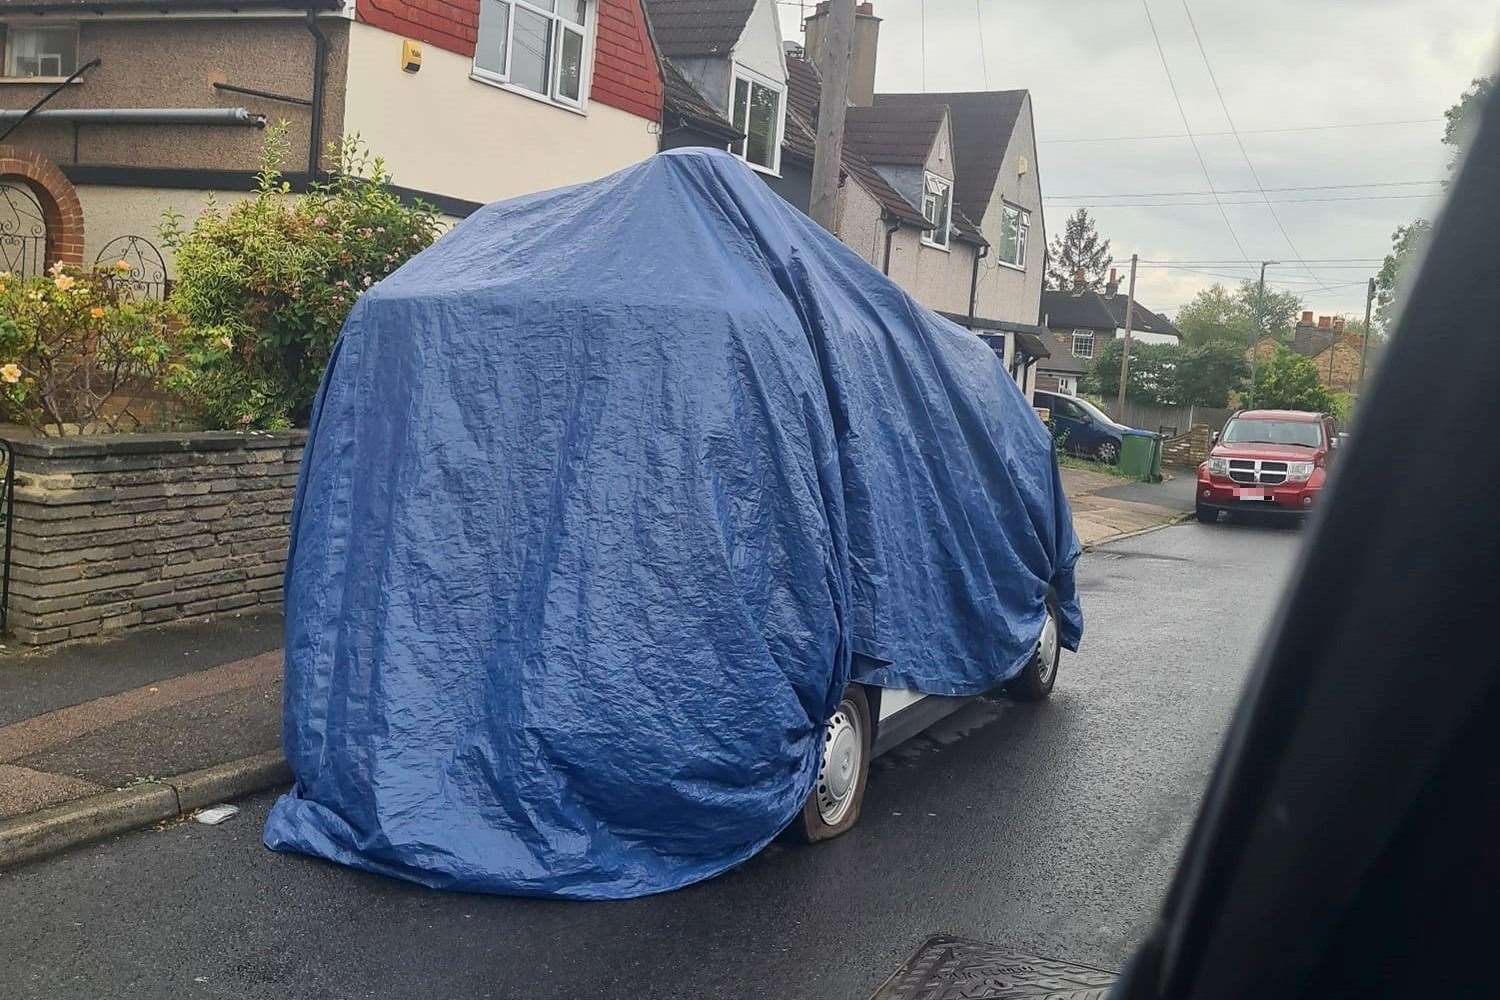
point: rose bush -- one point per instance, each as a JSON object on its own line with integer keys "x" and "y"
{"x": 78, "y": 352}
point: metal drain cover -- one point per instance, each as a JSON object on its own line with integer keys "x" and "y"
{"x": 950, "y": 968}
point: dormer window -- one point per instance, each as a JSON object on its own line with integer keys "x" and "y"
{"x": 757, "y": 106}
{"x": 937, "y": 209}
{"x": 538, "y": 47}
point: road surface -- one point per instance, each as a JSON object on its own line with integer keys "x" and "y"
{"x": 1051, "y": 829}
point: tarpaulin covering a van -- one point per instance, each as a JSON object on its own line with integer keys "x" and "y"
{"x": 605, "y": 497}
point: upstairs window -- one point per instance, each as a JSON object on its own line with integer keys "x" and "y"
{"x": 757, "y": 112}
{"x": 1083, "y": 343}
{"x": 1015, "y": 224}
{"x": 937, "y": 209}
{"x": 537, "y": 46}
{"x": 46, "y": 51}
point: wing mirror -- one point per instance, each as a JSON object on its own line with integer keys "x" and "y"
{"x": 1213, "y": 438}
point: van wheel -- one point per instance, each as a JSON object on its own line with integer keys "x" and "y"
{"x": 1036, "y": 679}
{"x": 832, "y": 806}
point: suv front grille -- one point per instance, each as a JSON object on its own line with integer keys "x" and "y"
{"x": 1254, "y": 472}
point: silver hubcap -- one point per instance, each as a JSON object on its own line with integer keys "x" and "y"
{"x": 1046, "y": 649}
{"x": 838, "y": 776}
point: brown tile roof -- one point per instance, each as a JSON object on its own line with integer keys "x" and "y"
{"x": 982, "y": 125}
{"x": 899, "y": 135}
{"x": 681, "y": 98}
{"x": 688, "y": 28}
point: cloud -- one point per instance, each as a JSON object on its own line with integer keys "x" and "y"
{"x": 1093, "y": 70}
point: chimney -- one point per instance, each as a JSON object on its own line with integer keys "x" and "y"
{"x": 1322, "y": 322}
{"x": 1112, "y": 286}
{"x": 866, "y": 41}
{"x": 1080, "y": 282}
{"x": 1306, "y": 318}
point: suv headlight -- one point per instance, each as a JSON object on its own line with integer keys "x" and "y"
{"x": 1219, "y": 467}
{"x": 1298, "y": 472}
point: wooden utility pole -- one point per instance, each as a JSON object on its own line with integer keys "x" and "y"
{"x": 1365, "y": 346}
{"x": 833, "y": 58}
{"x": 1125, "y": 344}
{"x": 1260, "y": 329}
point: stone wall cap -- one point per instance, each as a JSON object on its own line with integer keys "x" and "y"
{"x": 85, "y": 446}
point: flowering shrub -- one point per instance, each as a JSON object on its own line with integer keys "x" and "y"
{"x": 77, "y": 351}
{"x": 263, "y": 287}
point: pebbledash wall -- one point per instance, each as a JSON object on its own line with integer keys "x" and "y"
{"x": 111, "y": 533}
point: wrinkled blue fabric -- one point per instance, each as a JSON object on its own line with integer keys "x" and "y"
{"x": 603, "y": 496}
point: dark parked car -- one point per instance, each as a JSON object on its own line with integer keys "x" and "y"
{"x": 1081, "y": 428}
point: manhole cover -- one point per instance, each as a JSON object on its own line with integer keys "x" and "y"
{"x": 949, "y": 968}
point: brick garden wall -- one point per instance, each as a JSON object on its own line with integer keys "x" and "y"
{"x": 136, "y": 529}
{"x": 1187, "y": 449}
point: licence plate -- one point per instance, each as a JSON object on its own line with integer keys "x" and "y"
{"x": 1252, "y": 494}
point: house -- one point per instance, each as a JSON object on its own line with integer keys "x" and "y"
{"x": 1080, "y": 321}
{"x": 468, "y": 101}
{"x": 1338, "y": 356}
{"x": 938, "y": 191}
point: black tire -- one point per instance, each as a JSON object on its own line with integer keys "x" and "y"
{"x": 1206, "y": 515}
{"x": 1037, "y": 679}
{"x": 1107, "y": 452}
{"x": 811, "y": 825}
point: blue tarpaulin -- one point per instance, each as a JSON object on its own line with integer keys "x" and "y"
{"x": 605, "y": 496}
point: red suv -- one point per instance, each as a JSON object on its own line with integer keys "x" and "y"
{"x": 1268, "y": 461}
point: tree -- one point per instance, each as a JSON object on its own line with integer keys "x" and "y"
{"x": 1408, "y": 241}
{"x": 1078, "y": 248}
{"x": 1289, "y": 381}
{"x": 1205, "y": 374}
{"x": 1217, "y": 314}
{"x": 1151, "y": 372}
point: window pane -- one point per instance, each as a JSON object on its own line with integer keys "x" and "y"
{"x": 494, "y": 21}
{"x": 760, "y": 145}
{"x": 1010, "y": 236}
{"x": 549, "y": 5}
{"x": 570, "y": 71}
{"x": 741, "y": 107}
{"x": 575, "y": 10}
{"x": 41, "y": 52}
{"x": 531, "y": 47}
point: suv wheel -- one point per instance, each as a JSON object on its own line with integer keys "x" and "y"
{"x": 1206, "y": 515}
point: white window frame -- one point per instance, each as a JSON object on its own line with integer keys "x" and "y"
{"x": 1088, "y": 335}
{"x": 929, "y": 236}
{"x": 557, "y": 27}
{"x": 752, "y": 80}
{"x": 26, "y": 24}
{"x": 1023, "y": 229}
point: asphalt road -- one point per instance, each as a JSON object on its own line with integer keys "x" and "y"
{"x": 1051, "y": 829}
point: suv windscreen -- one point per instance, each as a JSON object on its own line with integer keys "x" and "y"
{"x": 1302, "y": 433}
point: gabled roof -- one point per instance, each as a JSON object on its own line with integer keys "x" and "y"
{"x": 697, "y": 28}
{"x": 1061, "y": 358}
{"x": 804, "y": 89}
{"x": 982, "y": 125}
{"x": 1097, "y": 311}
{"x": 901, "y": 136}
{"x": 681, "y": 98}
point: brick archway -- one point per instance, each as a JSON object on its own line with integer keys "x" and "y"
{"x": 61, "y": 209}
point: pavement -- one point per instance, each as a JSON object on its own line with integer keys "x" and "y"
{"x": 80, "y": 724}
{"x": 1049, "y": 829}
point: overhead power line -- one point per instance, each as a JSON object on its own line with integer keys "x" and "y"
{"x": 983, "y": 60}
{"x": 1181, "y": 113}
{"x": 1220, "y": 202}
{"x": 1305, "y": 187}
{"x": 1248, "y": 131}
{"x": 1224, "y": 105}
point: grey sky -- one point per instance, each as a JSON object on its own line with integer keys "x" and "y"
{"x": 1093, "y": 70}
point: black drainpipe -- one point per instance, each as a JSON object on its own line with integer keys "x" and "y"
{"x": 319, "y": 69}
{"x": 979, "y": 254}
{"x": 892, "y": 224}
